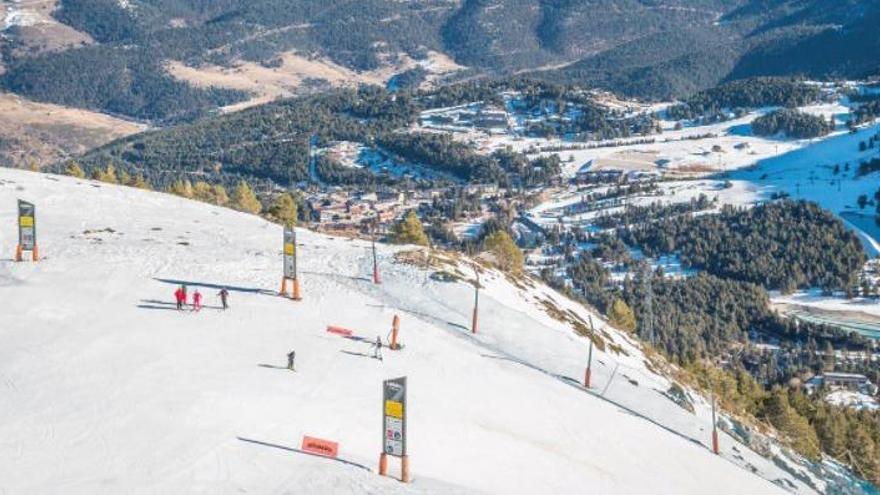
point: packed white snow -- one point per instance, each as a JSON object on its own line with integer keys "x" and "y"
{"x": 106, "y": 387}
{"x": 850, "y": 398}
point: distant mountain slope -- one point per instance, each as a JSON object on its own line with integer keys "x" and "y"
{"x": 37, "y": 134}
{"x": 760, "y": 37}
{"x": 648, "y": 48}
{"x": 842, "y": 42}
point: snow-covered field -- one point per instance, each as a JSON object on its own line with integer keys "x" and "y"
{"x": 18, "y": 14}
{"x": 849, "y": 398}
{"x": 106, "y": 388}
{"x": 808, "y": 173}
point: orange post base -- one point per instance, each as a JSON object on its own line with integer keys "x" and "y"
{"x": 35, "y": 254}
{"x": 376, "y": 279}
{"x": 296, "y": 294}
{"x": 18, "y": 253}
{"x": 383, "y": 464}
{"x": 404, "y": 469}
{"x": 587, "y": 376}
{"x": 715, "y": 441}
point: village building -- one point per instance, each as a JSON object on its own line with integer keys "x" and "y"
{"x": 841, "y": 381}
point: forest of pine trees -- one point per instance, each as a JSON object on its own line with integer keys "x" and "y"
{"x": 784, "y": 245}
{"x": 715, "y": 314}
{"x": 793, "y": 123}
{"x": 745, "y": 94}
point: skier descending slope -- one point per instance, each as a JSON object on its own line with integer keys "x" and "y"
{"x": 291, "y": 356}
{"x": 377, "y": 351}
{"x": 224, "y": 295}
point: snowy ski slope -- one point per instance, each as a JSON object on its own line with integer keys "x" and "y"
{"x": 106, "y": 388}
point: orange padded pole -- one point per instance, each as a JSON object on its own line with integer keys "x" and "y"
{"x": 395, "y": 327}
{"x": 296, "y": 294}
{"x": 404, "y": 469}
{"x": 474, "y": 321}
{"x": 383, "y": 464}
{"x": 715, "y": 441}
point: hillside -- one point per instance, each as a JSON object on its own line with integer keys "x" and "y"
{"x": 115, "y": 56}
{"x": 42, "y": 133}
{"x": 111, "y": 389}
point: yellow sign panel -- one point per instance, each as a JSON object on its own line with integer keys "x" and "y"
{"x": 393, "y": 409}
{"x": 26, "y": 221}
{"x": 288, "y": 249}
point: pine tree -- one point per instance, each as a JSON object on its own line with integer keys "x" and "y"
{"x": 829, "y": 356}
{"x": 202, "y": 191}
{"x": 862, "y": 451}
{"x": 74, "y": 170}
{"x": 220, "y": 196}
{"x": 409, "y": 230}
{"x": 507, "y": 254}
{"x": 283, "y": 210}
{"x": 107, "y": 175}
{"x": 182, "y": 188}
{"x": 831, "y": 429}
{"x": 124, "y": 178}
{"x": 244, "y": 199}
{"x": 787, "y": 420}
{"x": 141, "y": 183}
{"x": 622, "y": 316}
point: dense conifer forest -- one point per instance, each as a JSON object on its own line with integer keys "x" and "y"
{"x": 793, "y": 124}
{"x": 782, "y": 245}
{"x": 745, "y": 94}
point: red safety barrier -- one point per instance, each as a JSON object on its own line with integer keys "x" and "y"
{"x": 319, "y": 446}
{"x": 339, "y": 330}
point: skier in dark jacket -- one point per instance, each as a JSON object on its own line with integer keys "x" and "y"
{"x": 224, "y": 294}
{"x": 290, "y": 357}
{"x": 377, "y": 352}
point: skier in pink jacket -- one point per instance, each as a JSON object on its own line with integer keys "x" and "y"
{"x": 197, "y": 300}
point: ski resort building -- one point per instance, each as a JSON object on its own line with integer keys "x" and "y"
{"x": 841, "y": 381}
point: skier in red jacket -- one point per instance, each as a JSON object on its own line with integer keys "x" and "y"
{"x": 180, "y": 297}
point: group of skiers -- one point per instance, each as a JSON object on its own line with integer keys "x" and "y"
{"x": 180, "y": 295}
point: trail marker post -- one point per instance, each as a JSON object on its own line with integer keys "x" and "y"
{"x": 27, "y": 231}
{"x": 394, "y": 426}
{"x": 476, "y": 304}
{"x": 714, "y": 427}
{"x": 290, "y": 269}
{"x": 588, "y": 374}
{"x": 376, "y": 279}
{"x": 395, "y": 328}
